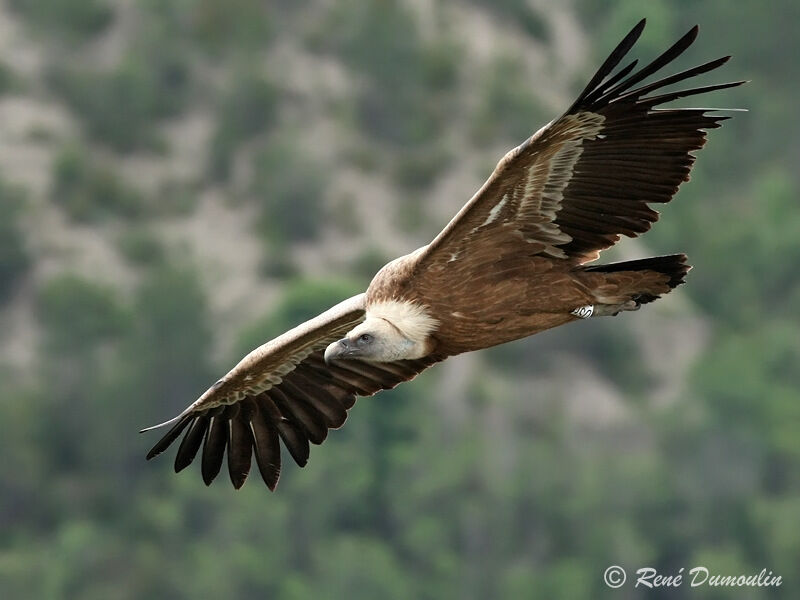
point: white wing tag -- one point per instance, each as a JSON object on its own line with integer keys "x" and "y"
{"x": 584, "y": 312}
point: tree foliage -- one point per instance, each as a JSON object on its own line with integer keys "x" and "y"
{"x": 488, "y": 477}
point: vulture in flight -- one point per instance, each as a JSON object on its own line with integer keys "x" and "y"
{"x": 511, "y": 263}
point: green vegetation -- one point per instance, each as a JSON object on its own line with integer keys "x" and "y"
{"x": 612, "y": 349}
{"x": 369, "y": 263}
{"x": 405, "y": 92}
{"x": 216, "y": 26}
{"x": 90, "y": 193}
{"x": 121, "y": 107}
{"x": 14, "y": 258}
{"x": 403, "y": 100}
{"x": 175, "y": 198}
{"x": 78, "y": 18}
{"x": 248, "y": 110}
{"x": 8, "y": 79}
{"x": 509, "y": 108}
{"x": 415, "y": 171}
{"x": 170, "y": 346}
{"x": 140, "y": 247}
{"x": 518, "y": 13}
{"x": 77, "y": 313}
{"x": 301, "y": 301}
{"x": 476, "y": 481}
{"x": 289, "y": 187}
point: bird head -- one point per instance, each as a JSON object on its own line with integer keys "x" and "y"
{"x": 375, "y": 340}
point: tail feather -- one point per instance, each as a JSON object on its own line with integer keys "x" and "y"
{"x": 673, "y": 265}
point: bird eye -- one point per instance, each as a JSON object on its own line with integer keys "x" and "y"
{"x": 365, "y": 338}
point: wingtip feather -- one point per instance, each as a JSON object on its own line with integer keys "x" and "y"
{"x": 172, "y": 421}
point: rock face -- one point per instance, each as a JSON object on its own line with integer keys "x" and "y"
{"x": 312, "y": 107}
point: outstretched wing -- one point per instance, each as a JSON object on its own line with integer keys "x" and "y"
{"x": 584, "y": 179}
{"x": 282, "y": 390}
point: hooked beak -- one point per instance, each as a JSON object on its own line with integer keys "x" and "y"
{"x": 341, "y": 349}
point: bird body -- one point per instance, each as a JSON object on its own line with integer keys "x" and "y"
{"x": 511, "y": 263}
{"x": 495, "y": 306}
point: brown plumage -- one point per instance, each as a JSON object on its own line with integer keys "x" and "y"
{"x": 509, "y": 264}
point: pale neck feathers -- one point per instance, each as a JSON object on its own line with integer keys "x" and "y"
{"x": 411, "y": 319}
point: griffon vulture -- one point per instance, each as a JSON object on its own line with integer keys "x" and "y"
{"x": 510, "y": 264}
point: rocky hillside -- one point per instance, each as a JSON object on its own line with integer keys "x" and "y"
{"x": 181, "y": 180}
{"x": 300, "y": 141}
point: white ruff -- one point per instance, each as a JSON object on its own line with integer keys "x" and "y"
{"x": 412, "y": 319}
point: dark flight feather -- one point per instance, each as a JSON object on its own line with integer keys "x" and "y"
{"x": 214, "y": 445}
{"x": 190, "y": 443}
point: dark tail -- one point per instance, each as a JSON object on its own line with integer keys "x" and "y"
{"x": 672, "y": 265}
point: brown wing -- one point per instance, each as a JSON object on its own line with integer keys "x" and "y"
{"x": 282, "y": 390}
{"x": 581, "y": 181}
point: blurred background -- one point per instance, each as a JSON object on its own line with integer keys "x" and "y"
{"x": 180, "y": 181}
